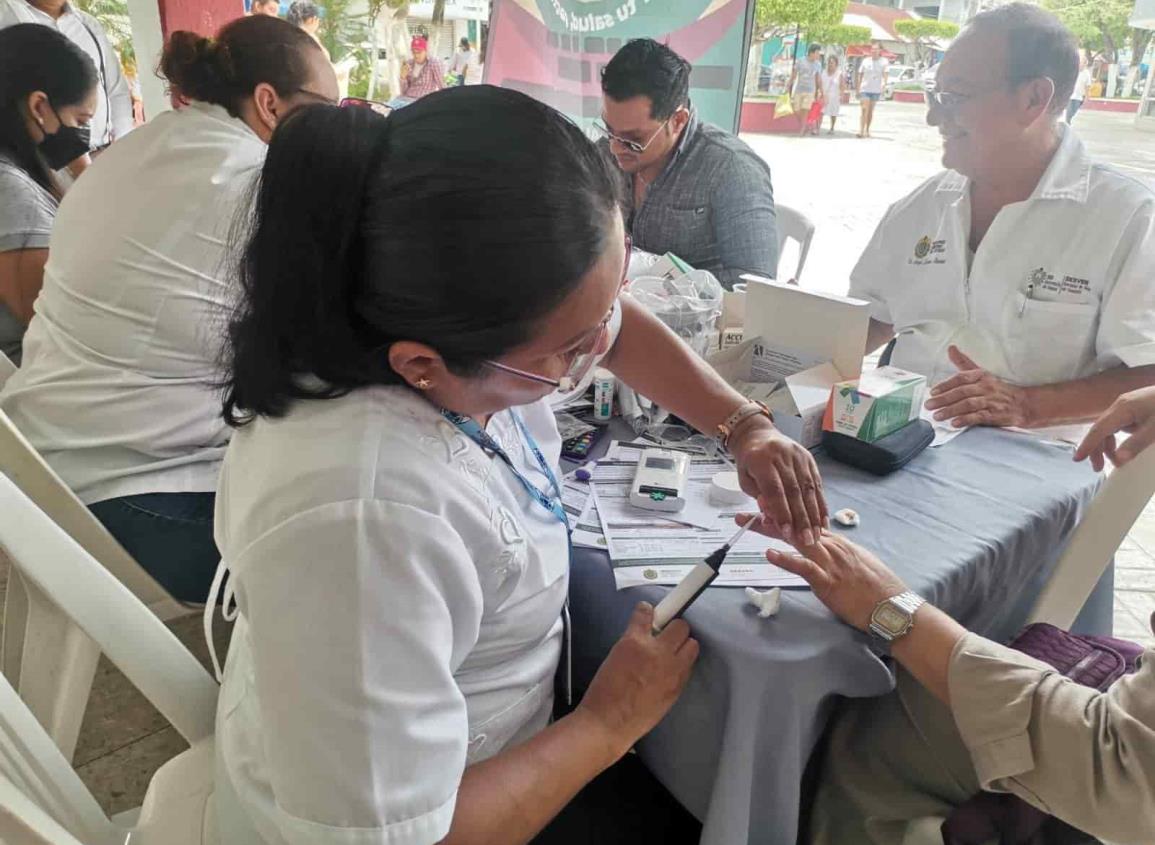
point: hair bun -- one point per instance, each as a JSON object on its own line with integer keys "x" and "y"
{"x": 196, "y": 66}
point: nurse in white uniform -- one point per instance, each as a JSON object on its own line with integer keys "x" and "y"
{"x": 414, "y": 288}
{"x": 1021, "y": 280}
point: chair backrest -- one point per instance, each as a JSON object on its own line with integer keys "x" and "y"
{"x": 46, "y": 657}
{"x": 795, "y": 225}
{"x": 134, "y": 639}
{"x": 7, "y": 368}
{"x": 1095, "y": 540}
{"x": 130, "y": 634}
{"x": 32, "y": 474}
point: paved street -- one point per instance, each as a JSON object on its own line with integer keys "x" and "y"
{"x": 845, "y": 184}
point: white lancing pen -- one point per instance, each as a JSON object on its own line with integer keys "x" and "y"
{"x": 695, "y": 582}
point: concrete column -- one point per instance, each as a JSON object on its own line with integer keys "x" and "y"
{"x": 153, "y": 20}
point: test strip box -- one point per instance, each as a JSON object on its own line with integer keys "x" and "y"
{"x": 878, "y": 403}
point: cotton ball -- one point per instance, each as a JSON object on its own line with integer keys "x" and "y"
{"x": 847, "y": 518}
{"x": 767, "y": 602}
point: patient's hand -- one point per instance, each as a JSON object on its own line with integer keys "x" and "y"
{"x": 843, "y": 575}
{"x": 1133, "y": 413}
{"x": 975, "y": 397}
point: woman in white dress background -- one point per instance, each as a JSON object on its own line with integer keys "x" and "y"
{"x": 832, "y": 91}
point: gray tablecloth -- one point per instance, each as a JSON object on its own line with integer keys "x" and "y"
{"x": 974, "y": 526}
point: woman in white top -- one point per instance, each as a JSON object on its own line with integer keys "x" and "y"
{"x": 118, "y": 389}
{"x": 47, "y": 99}
{"x": 414, "y": 289}
{"x": 832, "y": 91}
{"x": 871, "y": 81}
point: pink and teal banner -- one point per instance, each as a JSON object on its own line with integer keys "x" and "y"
{"x": 554, "y": 50}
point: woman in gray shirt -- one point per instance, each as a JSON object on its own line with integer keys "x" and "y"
{"x": 47, "y": 98}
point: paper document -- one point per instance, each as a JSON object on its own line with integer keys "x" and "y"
{"x": 651, "y": 548}
{"x": 578, "y": 502}
{"x": 944, "y": 432}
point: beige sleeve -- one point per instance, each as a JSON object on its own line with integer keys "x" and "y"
{"x": 1083, "y": 756}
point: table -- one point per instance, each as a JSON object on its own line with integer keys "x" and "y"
{"x": 974, "y": 526}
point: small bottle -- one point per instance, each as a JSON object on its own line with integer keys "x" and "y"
{"x": 603, "y": 395}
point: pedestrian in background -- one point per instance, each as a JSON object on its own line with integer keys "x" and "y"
{"x": 871, "y": 79}
{"x": 306, "y": 15}
{"x": 423, "y": 74}
{"x": 464, "y": 59}
{"x": 806, "y": 86}
{"x": 1082, "y": 83}
{"x": 832, "y": 91}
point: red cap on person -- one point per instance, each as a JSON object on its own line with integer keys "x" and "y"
{"x": 419, "y": 44}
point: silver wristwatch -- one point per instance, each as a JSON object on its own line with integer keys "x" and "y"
{"x": 894, "y": 617}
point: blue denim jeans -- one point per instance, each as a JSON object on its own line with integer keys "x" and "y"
{"x": 170, "y": 535}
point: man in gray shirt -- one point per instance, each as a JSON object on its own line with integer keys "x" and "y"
{"x": 806, "y": 83}
{"x": 691, "y": 188}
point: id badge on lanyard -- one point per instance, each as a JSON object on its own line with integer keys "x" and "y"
{"x": 552, "y": 503}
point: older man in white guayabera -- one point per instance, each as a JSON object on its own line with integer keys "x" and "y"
{"x": 1021, "y": 279}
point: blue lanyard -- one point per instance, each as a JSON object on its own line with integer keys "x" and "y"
{"x": 470, "y": 428}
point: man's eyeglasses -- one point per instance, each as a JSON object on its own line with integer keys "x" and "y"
{"x": 584, "y": 357}
{"x": 632, "y": 146}
{"x": 948, "y": 100}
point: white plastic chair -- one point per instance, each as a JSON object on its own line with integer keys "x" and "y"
{"x": 23, "y": 822}
{"x": 797, "y": 226}
{"x": 1109, "y": 517}
{"x": 177, "y": 806}
{"x": 7, "y": 369}
{"x": 49, "y": 661}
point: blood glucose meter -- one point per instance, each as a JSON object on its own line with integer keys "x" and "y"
{"x": 660, "y": 481}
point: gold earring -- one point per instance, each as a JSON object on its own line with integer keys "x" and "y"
{"x": 424, "y": 384}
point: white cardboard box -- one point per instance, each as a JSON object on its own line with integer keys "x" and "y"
{"x": 798, "y": 401}
{"x": 822, "y": 326}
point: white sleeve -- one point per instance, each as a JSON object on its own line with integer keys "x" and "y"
{"x": 358, "y": 614}
{"x": 873, "y": 276}
{"x": 116, "y": 86}
{"x": 1127, "y": 324}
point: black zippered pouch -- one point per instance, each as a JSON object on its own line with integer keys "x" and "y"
{"x": 884, "y": 456}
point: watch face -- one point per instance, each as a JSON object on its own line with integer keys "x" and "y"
{"x": 891, "y": 618}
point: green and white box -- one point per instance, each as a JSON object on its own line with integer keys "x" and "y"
{"x": 879, "y": 403}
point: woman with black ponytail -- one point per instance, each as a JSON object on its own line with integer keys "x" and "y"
{"x": 413, "y": 290}
{"x": 118, "y": 389}
{"x": 47, "y": 98}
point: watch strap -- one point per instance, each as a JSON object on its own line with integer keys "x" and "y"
{"x": 744, "y": 412}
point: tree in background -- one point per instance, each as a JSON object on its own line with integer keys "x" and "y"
{"x": 1140, "y": 41}
{"x": 777, "y": 18}
{"x": 396, "y": 39}
{"x": 838, "y": 35}
{"x": 923, "y": 33}
{"x": 1101, "y": 26}
{"x": 780, "y": 18}
{"x": 1104, "y": 26}
{"x": 113, "y": 16}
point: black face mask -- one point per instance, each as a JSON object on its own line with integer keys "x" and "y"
{"x": 65, "y": 145}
